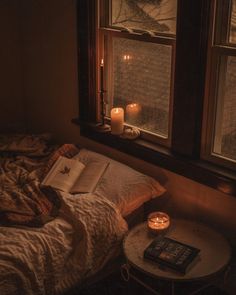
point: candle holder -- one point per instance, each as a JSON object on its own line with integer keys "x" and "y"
{"x": 102, "y": 127}
{"x": 130, "y": 133}
{"x": 158, "y": 223}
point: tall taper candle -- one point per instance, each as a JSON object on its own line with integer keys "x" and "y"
{"x": 102, "y": 103}
{"x": 101, "y": 74}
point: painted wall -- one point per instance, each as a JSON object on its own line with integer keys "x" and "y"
{"x": 50, "y": 66}
{"x": 11, "y": 98}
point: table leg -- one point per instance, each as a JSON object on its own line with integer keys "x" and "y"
{"x": 172, "y": 288}
{"x": 126, "y": 275}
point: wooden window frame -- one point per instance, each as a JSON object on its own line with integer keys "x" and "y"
{"x": 218, "y": 49}
{"x": 110, "y": 33}
{"x": 191, "y": 56}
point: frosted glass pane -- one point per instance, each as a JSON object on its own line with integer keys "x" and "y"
{"x": 225, "y": 135}
{"x": 141, "y": 83}
{"x": 150, "y": 15}
{"x": 232, "y": 37}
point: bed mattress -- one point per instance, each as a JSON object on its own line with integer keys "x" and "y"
{"x": 51, "y": 242}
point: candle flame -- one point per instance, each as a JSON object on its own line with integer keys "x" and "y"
{"x": 158, "y": 220}
{"x": 134, "y": 107}
{"x": 126, "y": 57}
{"x": 102, "y": 62}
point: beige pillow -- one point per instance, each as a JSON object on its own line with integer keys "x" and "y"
{"x": 123, "y": 185}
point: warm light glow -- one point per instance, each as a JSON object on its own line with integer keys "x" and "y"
{"x": 158, "y": 222}
{"x": 102, "y": 62}
{"x": 133, "y": 106}
{"x": 126, "y": 57}
{"x": 117, "y": 121}
{"x": 133, "y": 111}
{"x": 225, "y": 188}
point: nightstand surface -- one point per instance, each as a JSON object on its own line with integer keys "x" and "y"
{"x": 213, "y": 258}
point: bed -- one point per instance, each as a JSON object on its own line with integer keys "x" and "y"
{"x": 51, "y": 241}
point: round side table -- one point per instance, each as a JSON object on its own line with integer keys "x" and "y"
{"x": 214, "y": 256}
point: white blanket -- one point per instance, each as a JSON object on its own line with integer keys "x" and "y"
{"x": 56, "y": 257}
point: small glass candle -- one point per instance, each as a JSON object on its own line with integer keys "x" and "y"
{"x": 158, "y": 222}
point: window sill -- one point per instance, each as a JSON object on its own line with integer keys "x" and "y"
{"x": 203, "y": 172}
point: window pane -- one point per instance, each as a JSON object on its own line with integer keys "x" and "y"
{"x": 141, "y": 83}
{"x": 232, "y": 37}
{"x": 150, "y": 15}
{"x": 225, "y": 135}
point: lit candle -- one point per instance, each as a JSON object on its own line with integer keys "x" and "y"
{"x": 117, "y": 121}
{"x": 132, "y": 112}
{"x": 158, "y": 222}
{"x": 101, "y": 74}
{"x": 126, "y": 57}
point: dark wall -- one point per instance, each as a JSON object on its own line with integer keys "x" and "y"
{"x": 12, "y": 108}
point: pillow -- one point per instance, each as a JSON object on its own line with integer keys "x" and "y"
{"x": 122, "y": 185}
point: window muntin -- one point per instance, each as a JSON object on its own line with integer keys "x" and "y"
{"x": 152, "y": 15}
{"x": 225, "y": 123}
{"x": 139, "y": 67}
{"x": 220, "y": 138}
{"x": 232, "y": 35}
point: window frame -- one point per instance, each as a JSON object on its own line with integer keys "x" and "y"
{"x": 111, "y": 33}
{"x": 191, "y": 55}
{"x": 218, "y": 48}
{"x": 107, "y": 31}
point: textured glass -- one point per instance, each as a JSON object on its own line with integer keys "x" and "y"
{"x": 232, "y": 37}
{"x": 225, "y": 135}
{"x": 141, "y": 83}
{"x": 149, "y": 15}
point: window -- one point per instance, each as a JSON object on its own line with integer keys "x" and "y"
{"x": 177, "y": 75}
{"x": 137, "y": 40}
{"x": 221, "y": 134}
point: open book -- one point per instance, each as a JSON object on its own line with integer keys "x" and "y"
{"x": 72, "y": 176}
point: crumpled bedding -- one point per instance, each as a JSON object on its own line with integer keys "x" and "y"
{"x": 22, "y": 201}
{"x": 74, "y": 246}
{"x": 42, "y": 253}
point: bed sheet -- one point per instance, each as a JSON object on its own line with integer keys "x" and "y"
{"x": 52, "y": 259}
{"x": 75, "y": 243}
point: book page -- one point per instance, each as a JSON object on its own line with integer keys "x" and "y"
{"x": 64, "y": 173}
{"x": 90, "y": 177}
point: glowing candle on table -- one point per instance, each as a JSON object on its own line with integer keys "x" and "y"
{"x": 132, "y": 112}
{"x": 158, "y": 222}
{"x": 117, "y": 121}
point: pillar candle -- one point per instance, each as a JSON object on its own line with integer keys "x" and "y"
{"x": 117, "y": 121}
{"x": 132, "y": 112}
